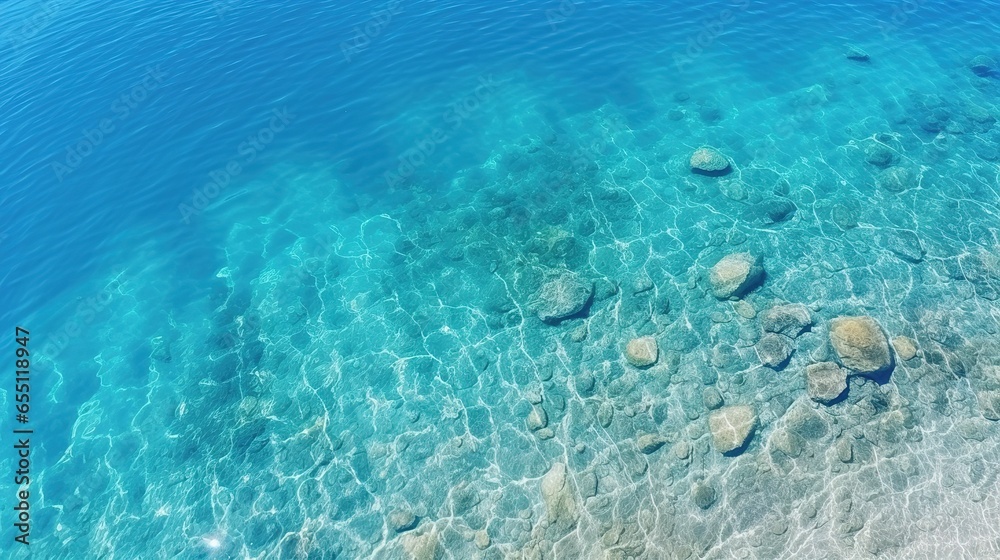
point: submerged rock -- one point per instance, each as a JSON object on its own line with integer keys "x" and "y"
{"x": 642, "y": 352}
{"x": 735, "y": 275}
{"x": 682, "y": 450}
{"x": 731, "y": 426}
{"x": 537, "y": 419}
{"x": 712, "y": 398}
{"x": 605, "y": 414}
{"x": 904, "y": 244}
{"x": 774, "y": 350}
{"x": 860, "y": 344}
{"x": 745, "y": 309}
{"x": 587, "y": 482}
{"x": 802, "y": 420}
{"x": 402, "y": 520}
{"x": 788, "y": 442}
{"x": 825, "y": 381}
{"x": 989, "y": 404}
{"x": 586, "y": 384}
{"x": 424, "y": 546}
{"x": 844, "y": 216}
{"x": 777, "y": 210}
{"x": 648, "y": 443}
{"x": 853, "y": 52}
{"x": 880, "y": 155}
{"x": 482, "y": 539}
{"x": 771, "y": 211}
{"x": 895, "y": 179}
{"x": 790, "y": 320}
{"x": 559, "y": 498}
{"x": 562, "y": 297}
{"x": 702, "y": 495}
{"x": 708, "y": 160}
{"x": 906, "y": 347}
{"x": 844, "y": 449}
{"x": 983, "y": 66}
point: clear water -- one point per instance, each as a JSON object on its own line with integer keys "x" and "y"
{"x": 283, "y": 268}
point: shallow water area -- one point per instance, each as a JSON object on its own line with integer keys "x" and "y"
{"x": 461, "y": 294}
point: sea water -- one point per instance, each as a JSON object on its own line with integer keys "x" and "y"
{"x": 437, "y": 279}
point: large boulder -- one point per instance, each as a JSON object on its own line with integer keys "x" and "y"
{"x": 559, "y": 497}
{"x": 825, "y": 381}
{"x": 709, "y": 161}
{"x": 731, "y": 426}
{"x": 735, "y": 275}
{"x": 860, "y": 344}
{"x": 790, "y": 320}
{"x": 562, "y": 297}
{"x": 642, "y": 352}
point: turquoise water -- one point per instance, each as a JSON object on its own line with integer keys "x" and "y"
{"x": 328, "y": 281}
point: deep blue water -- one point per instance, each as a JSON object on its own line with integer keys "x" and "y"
{"x": 228, "y": 223}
